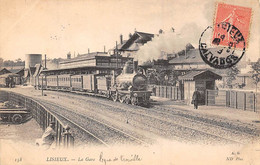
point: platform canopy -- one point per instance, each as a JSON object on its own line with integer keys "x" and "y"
{"x": 194, "y": 75}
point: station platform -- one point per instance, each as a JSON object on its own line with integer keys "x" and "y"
{"x": 26, "y": 132}
{"x": 249, "y": 117}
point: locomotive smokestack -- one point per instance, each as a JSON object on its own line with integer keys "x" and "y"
{"x": 135, "y": 66}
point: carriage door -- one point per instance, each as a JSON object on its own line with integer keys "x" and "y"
{"x": 81, "y": 82}
{"x": 70, "y": 83}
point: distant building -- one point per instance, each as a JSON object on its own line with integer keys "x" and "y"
{"x": 18, "y": 75}
{"x": 190, "y": 59}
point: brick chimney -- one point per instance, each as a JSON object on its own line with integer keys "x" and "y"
{"x": 121, "y": 39}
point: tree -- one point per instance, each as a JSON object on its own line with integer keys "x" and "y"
{"x": 1, "y": 62}
{"x": 231, "y": 76}
{"x": 255, "y": 76}
{"x": 256, "y": 72}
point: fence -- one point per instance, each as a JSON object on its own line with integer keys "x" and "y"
{"x": 234, "y": 99}
{"x": 42, "y": 116}
{"x": 170, "y": 92}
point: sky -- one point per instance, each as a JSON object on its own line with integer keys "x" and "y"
{"x": 55, "y": 27}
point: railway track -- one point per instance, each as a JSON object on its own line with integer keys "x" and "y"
{"x": 178, "y": 130}
{"x": 210, "y": 128}
{"x": 169, "y": 123}
{"x": 101, "y": 132}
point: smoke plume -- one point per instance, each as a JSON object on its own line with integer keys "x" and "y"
{"x": 168, "y": 43}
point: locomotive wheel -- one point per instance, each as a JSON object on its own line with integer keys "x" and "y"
{"x": 17, "y": 119}
{"x": 133, "y": 101}
{"x": 127, "y": 100}
{"x": 122, "y": 98}
{"x": 107, "y": 95}
{"x": 4, "y": 117}
{"x": 114, "y": 97}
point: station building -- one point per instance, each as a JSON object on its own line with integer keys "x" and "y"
{"x": 95, "y": 59}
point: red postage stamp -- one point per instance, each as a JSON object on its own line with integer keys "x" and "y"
{"x": 231, "y": 26}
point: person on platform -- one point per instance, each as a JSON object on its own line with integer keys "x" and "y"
{"x": 7, "y": 81}
{"x": 48, "y": 137}
{"x": 195, "y": 98}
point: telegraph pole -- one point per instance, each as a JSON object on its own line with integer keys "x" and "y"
{"x": 116, "y": 56}
{"x": 42, "y": 85}
{"x": 45, "y": 67}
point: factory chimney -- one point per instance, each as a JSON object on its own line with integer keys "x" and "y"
{"x": 45, "y": 63}
{"x": 104, "y": 49}
{"x": 69, "y": 56}
{"x": 121, "y": 39}
{"x": 88, "y": 51}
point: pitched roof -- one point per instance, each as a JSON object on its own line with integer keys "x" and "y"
{"x": 192, "y": 75}
{"x": 192, "y": 56}
{"x": 83, "y": 57}
{"x": 20, "y": 72}
{"x": 138, "y": 38}
{"x": 4, "y": 71}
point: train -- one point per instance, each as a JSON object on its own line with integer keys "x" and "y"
{"x": 128, "y": 87}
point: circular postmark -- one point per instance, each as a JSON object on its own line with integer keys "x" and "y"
{"x": 222, "y": 46}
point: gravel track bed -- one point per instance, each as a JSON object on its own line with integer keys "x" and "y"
{"x": 103, "y": 132}
{"x": 177, "y": 127}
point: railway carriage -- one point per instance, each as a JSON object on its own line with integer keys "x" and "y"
{"x": 104, "y": 85}
{"x": 64, "y": 82}
{"x": 42, "y": 83}
{"x": 52, "y": 82}
{"x": 76, "y": 82}
{"x": 89, "y": 82}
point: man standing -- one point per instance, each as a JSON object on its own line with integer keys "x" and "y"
{"x": 195, "y": 98}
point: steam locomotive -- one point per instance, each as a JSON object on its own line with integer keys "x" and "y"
{"x": 129, "y": 87}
